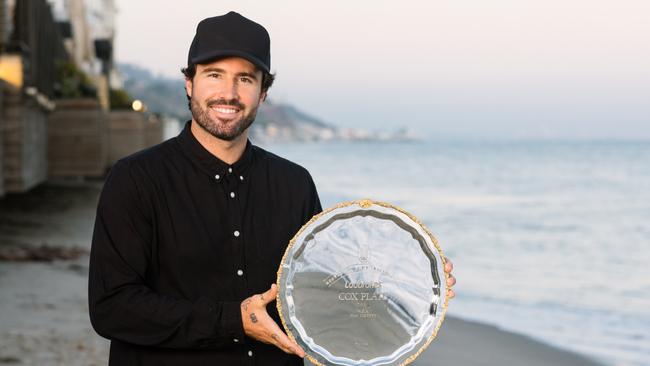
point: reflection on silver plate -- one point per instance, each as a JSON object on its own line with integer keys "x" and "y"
{"x": 362, "y": 284}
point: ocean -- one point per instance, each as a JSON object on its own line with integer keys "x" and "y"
{"x": 548, "y": 239}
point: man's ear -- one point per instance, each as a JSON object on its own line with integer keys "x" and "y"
{"x": 188, "y": 87}
{"x": 263, "y": 97}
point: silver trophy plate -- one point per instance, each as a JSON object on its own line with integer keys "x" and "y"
{"x": 362, "y": 283}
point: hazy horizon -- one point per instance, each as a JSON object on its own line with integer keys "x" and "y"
{"x": 571, "y": 69}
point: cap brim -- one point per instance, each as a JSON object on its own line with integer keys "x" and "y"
{"x": 212, "y": 56}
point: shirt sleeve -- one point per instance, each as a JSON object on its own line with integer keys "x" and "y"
{"x": 121, "y": 305}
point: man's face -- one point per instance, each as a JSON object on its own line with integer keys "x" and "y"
{"x": 225, "y": 95}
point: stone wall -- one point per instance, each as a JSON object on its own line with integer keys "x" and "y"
{"x": 2, "y": 118}
{"x": 24, "y": 141}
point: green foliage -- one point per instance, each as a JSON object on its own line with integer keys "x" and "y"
{"x": 71, "y": 82}
{"x": 120, "y": 99}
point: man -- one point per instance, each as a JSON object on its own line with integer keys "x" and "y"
{"x": 189, "y": 234}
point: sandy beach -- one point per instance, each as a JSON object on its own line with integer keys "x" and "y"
{"x": 44, "y": 241}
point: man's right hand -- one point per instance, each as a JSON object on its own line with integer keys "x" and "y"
{"x": 259, "y": 325}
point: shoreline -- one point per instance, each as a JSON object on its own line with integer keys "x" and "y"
{"x": 468, "y": 342}
{"x": 45, "y": 312}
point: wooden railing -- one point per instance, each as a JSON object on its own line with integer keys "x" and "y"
{"x": 37, "y": 37}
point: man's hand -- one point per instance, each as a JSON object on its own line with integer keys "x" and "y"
{"x": 451, "y": 281}
{"x": 259, "y": 325}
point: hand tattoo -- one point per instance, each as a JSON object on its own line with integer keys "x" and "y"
{"x": 245, "y": 304}
{"x": 253, "y": 318}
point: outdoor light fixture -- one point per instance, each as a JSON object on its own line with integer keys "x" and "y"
{"x": 137, "y": 105}
{"x": 11, "y": 69}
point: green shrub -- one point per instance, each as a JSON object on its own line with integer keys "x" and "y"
{"x": 120, "y": 99}
{"x": 71, "y": 82}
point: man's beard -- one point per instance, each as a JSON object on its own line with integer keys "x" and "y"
{"x": 215, "y": 127}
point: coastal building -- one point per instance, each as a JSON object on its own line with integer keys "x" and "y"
{"x": 90, "y": 29}
{"x": 57, "y": 71}
{"x": 31, "y": 43}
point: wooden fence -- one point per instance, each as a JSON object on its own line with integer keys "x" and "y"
{"x": 37, "y": 37}
{"x": 131, "y": 131}
{"x": 77, "y": 139}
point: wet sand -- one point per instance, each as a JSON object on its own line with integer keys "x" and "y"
{"x": 44, "y": 316}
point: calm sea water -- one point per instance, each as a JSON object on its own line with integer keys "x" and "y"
{"x": 549, "y": 239}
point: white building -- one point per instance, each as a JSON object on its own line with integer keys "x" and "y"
{"x": 90, "y": 42}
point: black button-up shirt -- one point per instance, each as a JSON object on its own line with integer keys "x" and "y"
{"x": 180, "y": 239}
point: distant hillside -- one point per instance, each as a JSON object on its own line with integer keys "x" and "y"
{"x": 167, "y": 97}
{"x": 163, "y": 96}
{"x": 274, "y": 122}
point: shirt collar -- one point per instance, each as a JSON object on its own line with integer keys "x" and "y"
{"x": 211, "y": 164}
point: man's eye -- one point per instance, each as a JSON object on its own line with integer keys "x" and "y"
{"x": 245, "y": 80}
{"x": 214, "y": 75}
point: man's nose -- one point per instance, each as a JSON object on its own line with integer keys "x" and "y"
{"x": 229, "y": 90}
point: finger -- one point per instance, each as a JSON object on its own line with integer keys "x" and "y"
{"x": 269, "y": 295}
{"x": 301, "y": 352}
{"x": 281, "y": 346}
{"x": 451, "y": 280}
{"x": 284, "y": 342}
{"x": 451, "y": 294}
{"x": 449, "y": 266}
{"x": 297, "y": 350}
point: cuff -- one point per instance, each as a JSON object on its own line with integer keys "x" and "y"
{"x": 231, "y": 323}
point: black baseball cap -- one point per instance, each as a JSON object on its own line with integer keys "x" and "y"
{"x": 230, "y": 35}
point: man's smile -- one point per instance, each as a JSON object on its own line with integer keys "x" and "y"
{"x": 225, "y": 112}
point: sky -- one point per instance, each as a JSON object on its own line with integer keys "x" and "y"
{"x": 498, "y": 69}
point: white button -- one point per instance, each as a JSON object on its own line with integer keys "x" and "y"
{"x": 236, "y": 233}
{"x": 235, "y": 340}
{"x": 229, "y": 170}
{"x": 240, "y": 272}
{"x": 250, "y": 353}
{"x": 232, "y": 194}
{"x": 217, "y": 177}
{"x": 241, "y": 177}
